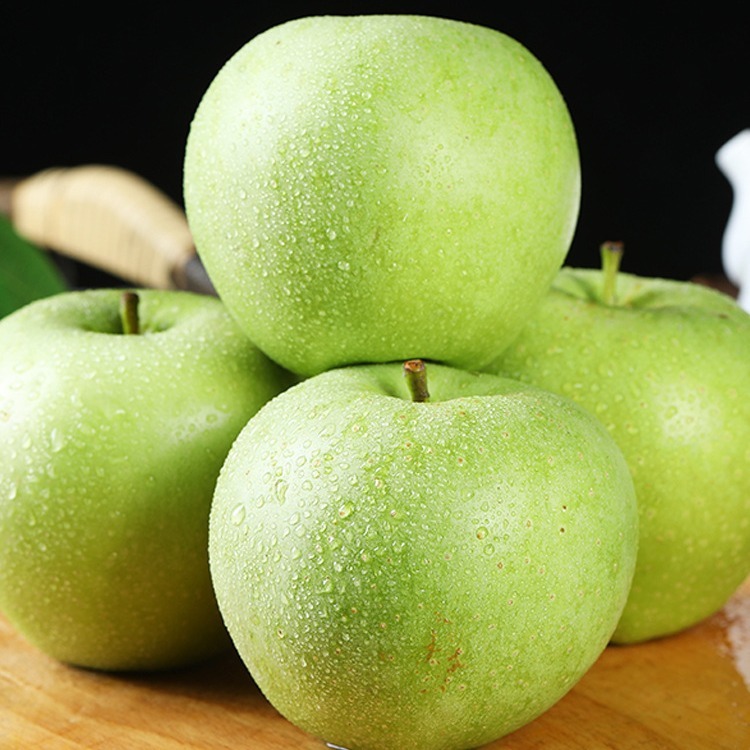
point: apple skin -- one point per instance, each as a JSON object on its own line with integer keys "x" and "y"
{"x": 667, "y": 371}
{"x": 339, "y": 165}
{"x": 427, "y": 576}
{"x": 111, "y": 446}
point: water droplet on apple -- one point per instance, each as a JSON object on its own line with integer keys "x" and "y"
{"x": 238, "y": 515}
{"x": 482, "y": 532}
{"x": 280, "y": 489}
{"x": 57, "y": 440}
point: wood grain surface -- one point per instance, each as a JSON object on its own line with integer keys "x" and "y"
{"x": 686, "y": 692}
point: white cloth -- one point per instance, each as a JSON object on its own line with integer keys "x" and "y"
{"x": 733, "y": 159}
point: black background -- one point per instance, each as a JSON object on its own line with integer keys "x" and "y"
{"x": 653, "y": 95}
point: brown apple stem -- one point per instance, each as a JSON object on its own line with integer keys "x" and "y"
{"x": 611, "y": 254}
{"x": 129, "y": 313}
{"x": 416, "y": 378}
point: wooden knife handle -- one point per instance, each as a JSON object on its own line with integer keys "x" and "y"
{"x": 106, "y": 217}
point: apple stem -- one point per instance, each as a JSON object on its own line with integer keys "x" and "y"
{"x": 129, "y": 313}
{"x": 416, "y": 378}
{"x": 611, "y": 254}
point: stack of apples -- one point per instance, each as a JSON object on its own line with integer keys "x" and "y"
{"x": 415, "y": 469}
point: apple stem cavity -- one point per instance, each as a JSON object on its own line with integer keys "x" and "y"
{"x": 611, "y": 254}
{"x": 416, "y": 378}
{"x": 129, "y": 313}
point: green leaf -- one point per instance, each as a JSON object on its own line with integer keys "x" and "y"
{"x": 26, "y": 272}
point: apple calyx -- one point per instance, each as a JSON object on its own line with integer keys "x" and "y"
{"x": 416, "y": 378}
{"x": 611, "y": 255}
{"x": 129, "y": 313}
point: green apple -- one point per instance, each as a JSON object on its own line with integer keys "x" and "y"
{"x": 113, "y": 428}
{"x": 665, "y": 365}
{"x": 340, "y": 165}
{"x": 420, "y": 573}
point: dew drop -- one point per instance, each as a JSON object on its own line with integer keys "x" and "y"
{"x": 346, "y": 510}
{"x": 280, "y": 489}
{"x": 57, "y": 440}
{"x": 238, "y": 515}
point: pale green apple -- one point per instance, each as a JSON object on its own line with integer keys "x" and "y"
{"x": 111, "y": 444}
{"x": 339, "y": 166}
{"x": 665, "y": 365}
{"x": 421, "y": 575}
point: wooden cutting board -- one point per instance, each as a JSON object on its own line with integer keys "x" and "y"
{"x": 687, "y": 692}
